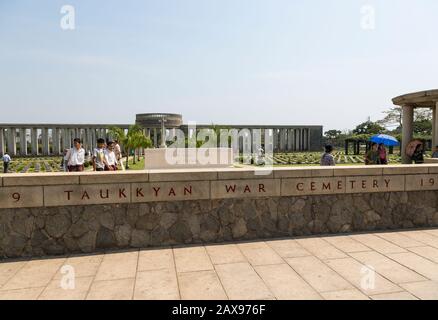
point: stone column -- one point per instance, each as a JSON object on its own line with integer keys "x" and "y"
{"x": 34, "y": 141}
{"x": 155, "y": 138}
{"x": 23, "y": 142}
{"x": 46, "y": 145}
{"x": 12, "y": 141}
{"x": 282, "y": 140}
{"x": 407, "y": 129}
{"x": 56, "y": 141}
{"x": 2, "y": 142}
{"x": 299, "y": 147}
{"x": 435, "y": 126}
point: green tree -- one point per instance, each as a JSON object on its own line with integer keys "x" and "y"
{"x": 131, "y": 141}
{"x": 368, "y": 128}
{"x": 332, "y": 134}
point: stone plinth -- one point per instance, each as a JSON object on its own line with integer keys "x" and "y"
{"x": 171, "y": 158}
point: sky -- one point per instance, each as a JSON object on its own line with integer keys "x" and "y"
{"x": 285, "y": 62}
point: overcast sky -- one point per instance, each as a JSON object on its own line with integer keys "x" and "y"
{"x": 285, "y": 62}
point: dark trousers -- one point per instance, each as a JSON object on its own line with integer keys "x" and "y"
{"x": 79, "y": 168}
{"x": 5, "y": 167}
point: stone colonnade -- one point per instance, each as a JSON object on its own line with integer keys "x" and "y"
{"x": 48, "y": 140}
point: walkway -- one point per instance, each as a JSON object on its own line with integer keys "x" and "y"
{"x": 400, "y": 265}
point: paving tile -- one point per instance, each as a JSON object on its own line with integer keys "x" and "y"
{"x": 8, "y": 270}
{"x": 241, "y": 282}
{"x": 155, "y": 260}
{"x": 318, "y": 275}
{"x": 426, "y": 290}
{"x": 427, "y": 252}
{"x": 423, "y": 237}
{"x": 378, "y": 244}
{"x": 399, "y": 239}
{"x": 394, "y": 296}
{"x": 192, "y": 259}
{"x": 352, "y": 294}
{"x": 433, "y": 232}
{"x": 118, "y": 266}
{"x": 288, "y": 248}
{"x": 201, "y": 285}
{"x": 55, "y": 291}
{"x": 36, "y": 273}
{"x": 228, "y": 253}
{"x": 357, "y": 274}
{"x": 321, "y": 249}
{"x": 156, "y": 285}
{"x": 346, "y": 244}
{"x": 259, "y": 253}
{"x": 84, "y": 266}
{"x": 391, "y": 270}
{"x": 21, "y": 294}
{"x": 421, "y": 265}
{"x": 121, "y": 289}
{"x": 285, "y": 283}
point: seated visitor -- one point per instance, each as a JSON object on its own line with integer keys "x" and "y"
{"x": 418, "y": 156}
{"x": 373, "y": 157}
{"x": 435, "y": 153}
{"x": 75, "y": 157}
{"x": 383, "y": 157}
{"x": 110, "y": 157}
{"x": 99, "y": 161}
{"x": 327, "y": 158}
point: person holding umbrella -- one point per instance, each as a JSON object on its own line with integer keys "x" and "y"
{"x": 382, "y": 154}
{"x": 384, "y": 140}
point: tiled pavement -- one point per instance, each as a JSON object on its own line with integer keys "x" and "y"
{"x": 339, "y": 267}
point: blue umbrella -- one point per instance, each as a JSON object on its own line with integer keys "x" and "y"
{"x": 385, "y": 139}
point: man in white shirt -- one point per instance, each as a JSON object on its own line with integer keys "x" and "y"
{"x": 76, "y": 157}
{"x": 110, "y": 157}
{"x": 6, "y": 160}
{"x": 99, "y": 161}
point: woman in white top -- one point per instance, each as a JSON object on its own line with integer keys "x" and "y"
{"x": 110, "y": 157}
{"x": 75, "y": 157}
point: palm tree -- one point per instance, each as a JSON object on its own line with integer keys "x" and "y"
{"x": 133, "y": 140}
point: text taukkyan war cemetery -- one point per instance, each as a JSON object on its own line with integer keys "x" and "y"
{"x": 203, "y": 184}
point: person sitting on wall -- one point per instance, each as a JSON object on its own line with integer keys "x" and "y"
{"x": 99, "y": 161}
{"x": 383, "y": 156}
{"x": 75, "y": 157}
{"x": 327, "y": 158}
{"x": 6, "y": 161}
{"x": 373, "y": 157}
{"x": 418, "y": 155}
{"x": 110, "y": 157}
{"x": 435, "y": 153}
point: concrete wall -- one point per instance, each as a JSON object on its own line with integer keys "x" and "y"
{"x": 49, "y": 214}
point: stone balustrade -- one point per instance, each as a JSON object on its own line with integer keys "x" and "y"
{"x": 59, "y": 213}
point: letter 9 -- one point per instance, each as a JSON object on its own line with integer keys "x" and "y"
{"x": 16, "y": 196}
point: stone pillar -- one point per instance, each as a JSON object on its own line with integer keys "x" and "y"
{"x": 299, "y": 148}
{"x": 289, "y": 140}
{"x": 34, "y": 141}
{"x": 282, "y": 140}
{"x": 45, "y": 142}
{"x": 435, "y": 126}
{"x": 407, "y": 129}
{"x": 23, "y": 142}
{"x": 56, "y": 141}
{"x": 2, "y": 142}
{"x": 308, "y": 140}
{"x": 155, "y": 138}
{"x": 12, "y": 141}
